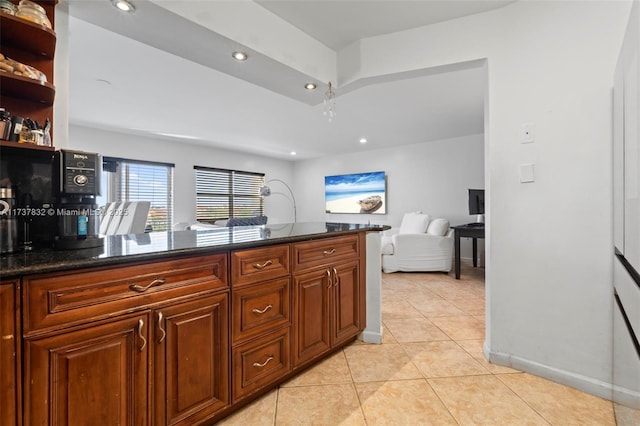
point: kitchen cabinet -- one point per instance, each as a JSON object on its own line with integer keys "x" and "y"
{"x": 328, "y": 296}
{"x": 31, "y": 44}
{"x": 10, "y": 384}
{"x": 119, "y": 346}
{"x": 191, "y": 360}
{"x": 261, "y": 318}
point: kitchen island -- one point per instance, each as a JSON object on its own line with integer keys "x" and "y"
{"x": 175, "y": 327}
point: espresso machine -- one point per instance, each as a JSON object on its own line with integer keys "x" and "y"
{"x": 77, "y": 185}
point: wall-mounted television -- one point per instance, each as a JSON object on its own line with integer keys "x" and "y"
{"x": 356, "y": 193}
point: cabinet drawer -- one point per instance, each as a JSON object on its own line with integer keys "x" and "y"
{"x": 255, "y": 265}
{"x": 74, "y": 297}
{"x": 260, "y": 362}
{"x": 323, "y": 252}
{"x": 260, "y": 308}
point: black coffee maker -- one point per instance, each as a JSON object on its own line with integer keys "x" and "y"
{"x": 78, "y": 183}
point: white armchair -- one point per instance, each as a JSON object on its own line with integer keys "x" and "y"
{"x": 420, "y": 244}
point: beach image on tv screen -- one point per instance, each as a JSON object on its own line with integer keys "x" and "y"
{"x": 355, "y": 193}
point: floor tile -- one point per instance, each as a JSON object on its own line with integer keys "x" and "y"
{"x": 414, "y": 330}
{"x": 470, "y": 306}
{"x": 475, "y": 400}
{"x": 319, "y": 405}
{"x": 260, "y": 412}
{"x": 443, "y": 359}
{"x": 387, "y": 336}
{"x": 374, "y": 363}
{"x": 331, "y": 370}
{"x": 399, "y": 309}
{"x": 626, "y": 416}
{"x": 403, "y": 402}
{"x": 460, "y": 328}
{"x": 436, "y": 308}
{"x": 560, "y": 404}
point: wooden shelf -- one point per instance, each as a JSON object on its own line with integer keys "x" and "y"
{"x": 27, "y": 35}
{"x": 17, "y": 86}
{"x": 27, "y": 146}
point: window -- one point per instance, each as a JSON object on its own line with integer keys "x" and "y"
{"x": 222, "y": 194}
{"x": 133, "y": 180}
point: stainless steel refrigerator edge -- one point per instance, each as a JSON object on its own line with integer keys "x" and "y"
{"x": 626, "y": 218}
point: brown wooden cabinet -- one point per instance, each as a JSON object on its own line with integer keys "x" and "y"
{"x": 136, "y": 344}
{"x": 328, "y": 294}
{"x": 89, "y": 376}
{"x": 191, "y": 360}
{"x": 10, "y": 367}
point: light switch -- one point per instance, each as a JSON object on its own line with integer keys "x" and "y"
{"x": 526, "y": 173}
{"x": 528, "y": 133}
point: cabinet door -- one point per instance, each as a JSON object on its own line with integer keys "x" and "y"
{"x": 9, "y": 353}
{"x": 192, "y": 360}
{"x": 311, "y": 315}
{"x": 346, "y": 302}
{"x": 92, "y": 376}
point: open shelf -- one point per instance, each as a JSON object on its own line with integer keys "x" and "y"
{"x": 27, "y": 36}
{"x": 26, "y": 88}
{"x": 16, "y": 145}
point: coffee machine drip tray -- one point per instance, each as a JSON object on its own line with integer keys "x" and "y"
{"x": 74, "y": 243}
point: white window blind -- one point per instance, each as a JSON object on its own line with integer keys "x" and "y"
{"x": 223, "y": 194}
{"x": 133, "y": 180}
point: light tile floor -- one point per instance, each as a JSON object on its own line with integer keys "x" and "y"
{"x": 429, "y": 370}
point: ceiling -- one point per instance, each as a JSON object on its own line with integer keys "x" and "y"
{"x": 156, "y": 73}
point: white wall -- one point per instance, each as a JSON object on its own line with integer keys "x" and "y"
{"x": 432, "y": 177}
{"x": 549, "y": 260}
{"x": 185, "y": 156}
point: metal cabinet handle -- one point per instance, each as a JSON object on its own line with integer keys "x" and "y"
{"x": 329, "y": 281}
{"x": 142, "y": 289}
{"x": 264, "y": 265}
{"x": 258, "y": 311}
{"x": 144, "y": 341}
{"x": 329, "y": 252}
{"x": 336, "y": 281}
{"x": 164, "y": 333}
{"x": 257, "y": 364}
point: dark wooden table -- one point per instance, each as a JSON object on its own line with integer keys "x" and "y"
{"x": 467, "y": 231}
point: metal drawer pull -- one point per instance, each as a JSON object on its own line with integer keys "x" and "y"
{"x": 257, "y": 364}
{"x": 144, "y": 341}
{"x": 329, "y": 252}
{"x": 337, "y": 278}
{"x": 264, "y": 265}
{"x": 141, "y": 289}
{"x": 329, "y": 282}
{"x": 258, "y": 311}
{"x": 164, "y": 333}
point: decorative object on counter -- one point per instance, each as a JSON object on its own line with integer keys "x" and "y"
{"x": 265, "y": 191}
{"x": 7, "y": 7}
{"x": 330, "y": 103}
{"x": 33, "y": 12}
{"x": 18, "y": 68}
{"x": 8, "y": 221}
{"x": 16, "y": 128}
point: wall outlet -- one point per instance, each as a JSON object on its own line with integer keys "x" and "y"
{"x": 526, "y": 173}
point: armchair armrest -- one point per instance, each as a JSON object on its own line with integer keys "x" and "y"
{"x": 409, "y": 244}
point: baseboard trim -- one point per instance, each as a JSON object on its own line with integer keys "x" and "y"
{"x": 369, "y": 336}
{"x": 577, "y": 381}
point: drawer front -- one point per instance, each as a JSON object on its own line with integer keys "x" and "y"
{"x": 74, "y": 297}
{"x": 260, "y": 362}
{"x": 255, "y": 265}
{"x": 261, "y": 308}
{"x": 323, "y": 252}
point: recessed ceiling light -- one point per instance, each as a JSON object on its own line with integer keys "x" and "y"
{"x": 363, "y": 140}
{"x": 239, "y": 56}
{"x": 292, "y": 153}
{"x": 123, "y": 5}
{"x": 310, "y": 86}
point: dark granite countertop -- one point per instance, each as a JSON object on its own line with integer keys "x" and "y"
{"x": 159, "y": 245}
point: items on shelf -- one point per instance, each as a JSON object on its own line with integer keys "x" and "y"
{"x": 24, "y": 130}
{"x": 26, "y": 10}
{"x": 18, "y": 68}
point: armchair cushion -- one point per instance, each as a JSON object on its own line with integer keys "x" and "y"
{"x": 438, "y": 227}
{"x": 414, "y": 223}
